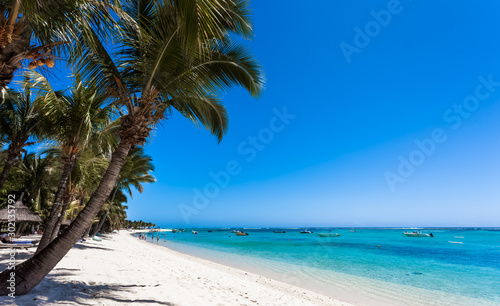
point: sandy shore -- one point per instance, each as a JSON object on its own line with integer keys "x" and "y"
{"x": 122, "y": 270}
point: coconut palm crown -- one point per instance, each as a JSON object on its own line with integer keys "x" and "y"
{"x": 33, "y": 33}
{"x": 170, "y": 55}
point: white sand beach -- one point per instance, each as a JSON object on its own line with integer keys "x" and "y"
{"x": 122, "y": 270}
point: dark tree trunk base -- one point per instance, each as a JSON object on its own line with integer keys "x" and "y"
{"x": 31, "y": 272}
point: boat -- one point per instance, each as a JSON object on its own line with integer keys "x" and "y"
{"x": 281, "y": 232}
{"x": 417, "y": 234}
{"x": 194, "y": 232}
{"x": 209, "y": 231}
{"x": 328, "y": 234}
{"x": 352, "y": 231}
{"x": 306, "y": 232}
{"x": 234, "y": 231}
{"x": 175, "y": 231}
{"x": 240, "y": 233}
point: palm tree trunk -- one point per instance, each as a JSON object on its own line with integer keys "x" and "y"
{"x": 68, "y": 165}
{"x": 32, "y": 271}
{"x": 11, "y": 158}
{"x": 31, "y": 195}
{"x": 65, "y": 205}
{"x": 103, "y": 217}
{"x": 87, "y": 231}
{"x": 19, "y": 229}
{"x": 101, "y": 223}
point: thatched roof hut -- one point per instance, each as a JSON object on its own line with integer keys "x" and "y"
{"x": 21, "y": 213}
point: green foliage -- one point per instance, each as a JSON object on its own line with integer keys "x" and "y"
{"x": 137, "y": 224}
{"x": 175, "y": 55}
{"x": 130, "y": 57}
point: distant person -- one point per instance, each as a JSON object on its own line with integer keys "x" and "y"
{"x": 140, "y": 236}
{"x": 157, "y": 238}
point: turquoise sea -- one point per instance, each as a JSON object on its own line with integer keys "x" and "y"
{"x": 368, "y": 266}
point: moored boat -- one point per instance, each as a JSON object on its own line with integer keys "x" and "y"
{"x": 306, "y": 232}
{"x": 328, "y": 234}
{"x": 240, "y": 233}
{"x": 417, "y": 234}
{"x": 280, "y": 232}
{"x": 194, "y": 232}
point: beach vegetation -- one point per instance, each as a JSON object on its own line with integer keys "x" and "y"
{"x": 163, "y": 58}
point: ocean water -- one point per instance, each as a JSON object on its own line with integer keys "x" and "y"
{"x": 368, "y": 266}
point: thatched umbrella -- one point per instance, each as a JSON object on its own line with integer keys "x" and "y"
{"x": 21, "y": 213}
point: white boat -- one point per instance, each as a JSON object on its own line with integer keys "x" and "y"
{"x": 194, "y": 232}
{"x": 328, "y": 234}
{"x": 306, "y": 232}
{"x": 417, "y": 234}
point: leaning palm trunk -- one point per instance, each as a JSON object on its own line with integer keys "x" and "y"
{"x": 68, "y": 165}
{"x": 103, "y": 217}
{"x": 31, "y": 272}
{"x": 100, "y": 224}
{"x": 64, "y": 207}
{"x": 87, "y": 231}
{"x": 63, "y": 213}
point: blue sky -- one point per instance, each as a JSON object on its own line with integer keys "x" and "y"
{"x": 337, "y": 131}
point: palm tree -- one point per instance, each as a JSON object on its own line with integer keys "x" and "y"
{"x": 20, "y": 120}
{"x": 116, "y": 213}
{"x": 135, "y": 172}
{"x": 33, "y": 31}
{"x": 84, "y": 179}
{"x": 74, "y": 119}
{"x": 37, "y": 172}
{"x": 172, "y": 55}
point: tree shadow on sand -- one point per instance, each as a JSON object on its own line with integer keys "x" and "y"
{"x": 52, "y": 291}
{"x": 83, "y": 246}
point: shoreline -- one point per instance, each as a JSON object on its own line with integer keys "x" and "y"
{"x": 346, "y": 287}
{"x": 122, "y": 270}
